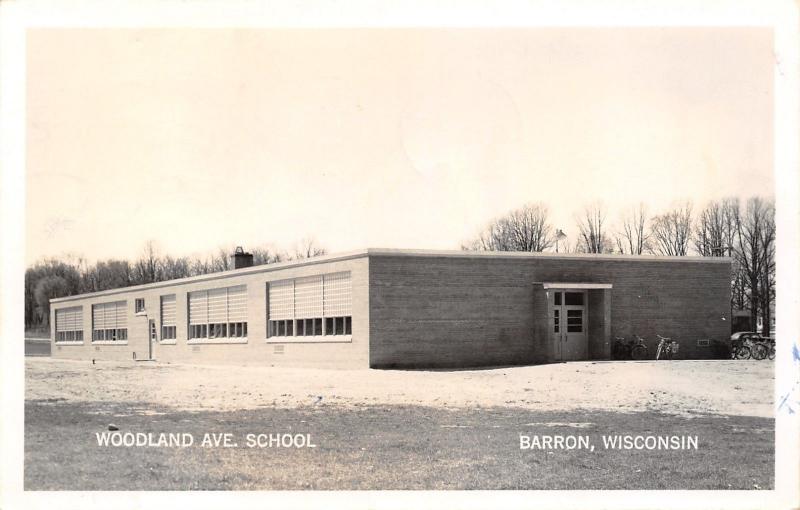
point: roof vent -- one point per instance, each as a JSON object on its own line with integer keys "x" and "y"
{"x": 241, "y": 258}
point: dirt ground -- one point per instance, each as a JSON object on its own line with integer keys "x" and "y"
{"x": 743, "y": 388}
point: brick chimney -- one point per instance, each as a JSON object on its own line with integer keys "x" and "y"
{"x": 241, "y": 258}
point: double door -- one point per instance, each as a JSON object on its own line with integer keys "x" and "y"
{"x": 568, "y": 324}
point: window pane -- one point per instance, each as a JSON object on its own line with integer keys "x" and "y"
{"x": 573, "y": 298}
{"x": 329, "y": 325}
{"x": 339, "y": 325}
{"x": 317, "y": 326}
{"x": 300, "y": 327}
{"x": 348, "y": 326}
{"x": 574, "y": 321}
{"x": 289, "y": 328}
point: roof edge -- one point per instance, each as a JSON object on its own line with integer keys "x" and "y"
{"x": 525, "y": 254}
{"x": 263, "y": 268}
{"x": 390, "y": 252}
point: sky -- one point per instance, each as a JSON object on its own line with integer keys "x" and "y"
{"x": 393, "y": 138}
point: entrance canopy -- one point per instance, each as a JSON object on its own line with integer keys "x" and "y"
{"x": 572, "y": 285}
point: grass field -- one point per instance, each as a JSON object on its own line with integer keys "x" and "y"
{"x": 388, "y": 447}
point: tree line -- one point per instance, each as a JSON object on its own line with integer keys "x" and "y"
{"x": 58, "y": 277}
{"x": 743, "y": 231}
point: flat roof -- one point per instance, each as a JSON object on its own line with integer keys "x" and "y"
{"x": 391, "y": 252}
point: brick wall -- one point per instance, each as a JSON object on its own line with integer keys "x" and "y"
{"x": 257, "y": 349}
{"x": 429, "y": 310}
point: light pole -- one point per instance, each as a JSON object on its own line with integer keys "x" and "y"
{"x": 559, "y": 236}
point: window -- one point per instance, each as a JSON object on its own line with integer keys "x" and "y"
{"x": 556, "y": 317}
{"x": 573, "y": 298}
{"x": 168, "y": 324}
{"x": 574, "y": 321}
{"x": 69, "y": 324}
{"x": 139, "y": 305}
{"x": 314, "y": 306}
{"x": 110, "y": 322}
{"x": 218, "y": 313}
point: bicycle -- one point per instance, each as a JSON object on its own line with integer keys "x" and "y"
{"x": 621, "y": 349}
{"x": 759, "y": 350}
{"x": 739, "y": 350}
{"x": 763, "y": 347}
{"x": 666, "y": 346}
{"x": 629, "y": 349}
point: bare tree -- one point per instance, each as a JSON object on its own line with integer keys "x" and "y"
{"x": 495, "y": 237}
{"x": 767, "y": 292}
{"x": 754, "y": 229}
{"x": 634, "y": 238}
{"x": 199, "y": 265}
{"x": 148, "y": 268}
{"x": 307, "y": 248}
{"x": 672, "y": 231}
{"x": 267, "y": 255}
{"x": 221, "y": 260}
{"x": 174, "y": 268}
{"x": 715, "y": 228}
{"x": 591, "y": 228}
{"x": 523, "y": 229}
{"x": 47, "y": 288}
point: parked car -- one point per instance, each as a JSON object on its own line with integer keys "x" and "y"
{"x": 741, "y": 336}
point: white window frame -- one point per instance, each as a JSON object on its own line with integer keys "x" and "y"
{"x": 65, "y": 332}
{"x": 293, "y": 323}
{"x": 162, "y": 339}
{"x": 117, "y": 330}
{"x": 230, "y": 325}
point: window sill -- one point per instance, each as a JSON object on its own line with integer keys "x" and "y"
{"x": 168, "y": 342}
{"x": 139, "y": 314}
{"x": 110, "y": 342}
{"x": 318, "y": 339}
{"x": 202, "y": 341}
{"x": 69, "y": 343}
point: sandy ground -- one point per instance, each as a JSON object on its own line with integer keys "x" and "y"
{"x": 681, "y": 387}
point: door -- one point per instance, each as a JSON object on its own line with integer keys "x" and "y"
{"x": 570, "y": 341}
{"x": 153, "y": 338}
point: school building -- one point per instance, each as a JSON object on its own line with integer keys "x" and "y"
{"x": 385, "y": 308}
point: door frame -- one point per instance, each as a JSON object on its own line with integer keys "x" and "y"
{"x": 558, "y": 339}
{"x": 152, "y": 336}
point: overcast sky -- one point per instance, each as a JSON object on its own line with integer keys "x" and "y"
{"x": 378, "y": 138}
